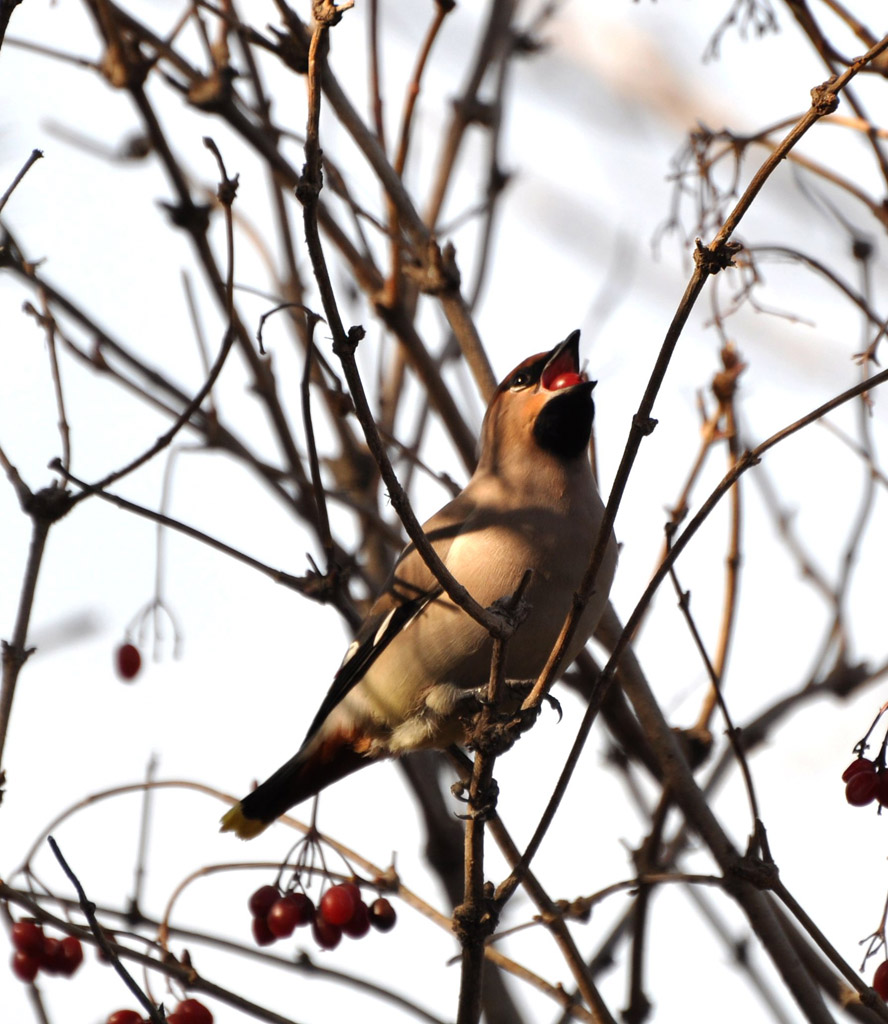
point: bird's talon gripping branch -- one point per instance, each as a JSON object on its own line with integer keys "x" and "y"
{"x": 484, "y": 806}
{"x": 460, "y": 790}
{"x": 518, "y": 539}
{"x": 555, "y": 704}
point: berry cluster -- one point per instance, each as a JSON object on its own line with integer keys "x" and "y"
{"x": 35, "y": 952}
{"x": 189, "y": 1011}
{"x": 865, "y": 781}
{"x": 341, "y": 911}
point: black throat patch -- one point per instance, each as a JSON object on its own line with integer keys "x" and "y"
{"x": 564, "y": 425}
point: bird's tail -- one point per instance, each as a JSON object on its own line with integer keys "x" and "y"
{"x": 309, "y": 771}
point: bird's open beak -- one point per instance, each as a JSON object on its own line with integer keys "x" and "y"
{"x": 562, "y": 369}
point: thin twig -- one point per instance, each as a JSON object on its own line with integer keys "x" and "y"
{"x": 89, "y": 909}
{"x": 36, "y": 154}
{"x": 344, "y": 347}
{"x": 310, "y": 585}
{"x": 315, "y": 468}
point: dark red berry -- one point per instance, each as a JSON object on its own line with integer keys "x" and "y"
{"x": 192, "y": 1011}
{"x": 861, "y": 789}
{"x": 860, "y": 764}
{"x": 27, "y": 937}
{"x": 52, "y": 959}
{"x": 72, "y": 955}
{"x": 338, "y": 904}
{"x": 303, "y": 908}
{"x": 880, "y": 979}
{"x": 326, "y": 935}
{"x": 358, "y": 924}
{"x": 125, "y": 1017}
{"x": 174, "y": 1018}
{"x": 283, "y": 917}
{"x": 128, "y": 661}
{"x": 354, "y": 889}
{"x": 263, "y": 899}
{"x": 262, "y": 934}
{"x": 25, "y": 965}
{"x": 382, "y": 915}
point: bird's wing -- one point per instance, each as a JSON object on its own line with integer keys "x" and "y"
{"x": 375, "y": 635}
{"x": 410, "y": 589}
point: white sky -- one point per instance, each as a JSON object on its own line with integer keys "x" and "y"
{"x": 595, "y": 122}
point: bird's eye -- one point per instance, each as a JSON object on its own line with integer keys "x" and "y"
{"x": 521, "y": 380}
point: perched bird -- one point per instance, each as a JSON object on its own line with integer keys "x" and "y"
{"x": 418, "y": 664}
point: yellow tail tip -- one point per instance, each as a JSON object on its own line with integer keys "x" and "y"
{"x": 243, "y": 827}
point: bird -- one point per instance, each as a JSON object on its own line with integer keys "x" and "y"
{"x": 418, "y": 661}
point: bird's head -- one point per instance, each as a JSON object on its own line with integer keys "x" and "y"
{"x": 544, "y": 406}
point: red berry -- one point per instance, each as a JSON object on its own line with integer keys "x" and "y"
{"x": 358, "y": 924}
{"x": 860, "y": 764}
{"x": 861, "y": 789}
{"x": 564, "y": 380}
{"x": 338, "y": 904}
{"x": 175, "y": 1018}
{"x": 27, "y": 937}
{"x": 262, "y": 934}
{"x": 262, "y": 900}
{"x": 326, "y": 935}
{"x": 192, "y": 1011}
{"x": 125, "y": 1017}
{"x": 382, "y": 915}
{"x": 72, "y": 955}
{"x": 303, "y": 908}
{"x": 288, "y": 912}
{"x": 128, "y": 661}
{"x": 880, "y": 979}
{"x": 25, "y": 965}
{"x": 283, "y": 917}
{"x": 52, "y": 959}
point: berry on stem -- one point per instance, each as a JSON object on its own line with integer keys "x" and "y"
{"x": 125, "y": 1017}
{"x": 25, "y": 965}
{"x": 128, "y": 661}
{"x": 338, "y": 903}
{"x": 860, "y": 764}
{"x": 263, "y": 899}
{"x": 880, "y": 979}
{"x": 27, "y": 937}
{"x": 284, "y": 915}
{"x": 262, "y": 934}
{"x": 358, "y": 924}
{"x": 71, "y": 956}
{"x": 191, "y": 1011}
{"x": 382, "y": 915}
{"x": 326, "y": 935}
{"x": 303, "y": 908}
{"x": 861, "y": 789}
{"x": 52, "y": 960}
